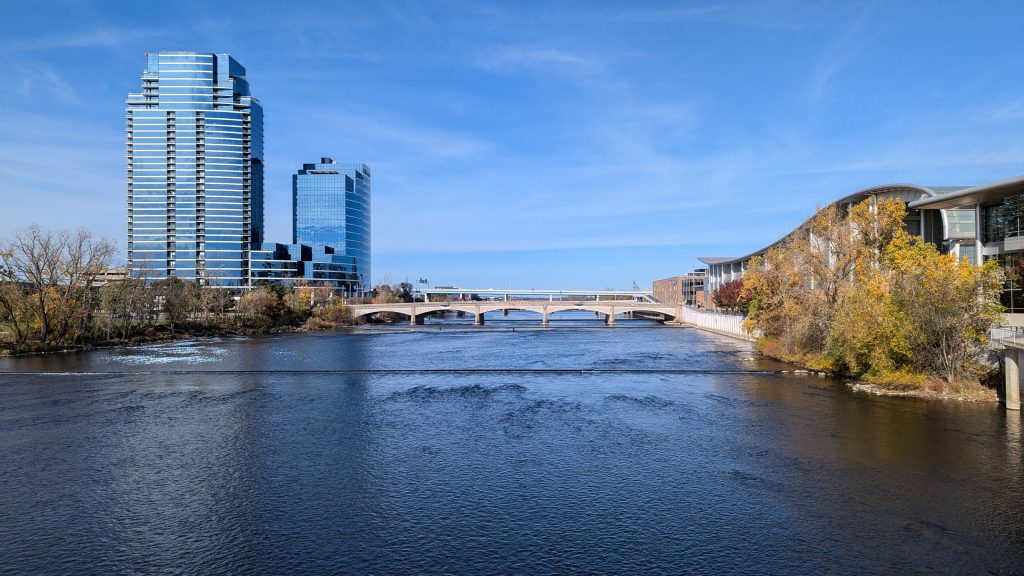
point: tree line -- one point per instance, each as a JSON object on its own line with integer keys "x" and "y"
{"x": 853, "y": 293}
{"x": 56, "y": 292}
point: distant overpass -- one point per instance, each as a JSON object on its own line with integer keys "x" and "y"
{"x": 533, "y": 293}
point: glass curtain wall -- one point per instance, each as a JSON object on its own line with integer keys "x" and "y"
{"x": 194, "y": 170}
{"x": 331, "y": 207}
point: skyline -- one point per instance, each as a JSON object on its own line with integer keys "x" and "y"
{"x": 562, "y": 148}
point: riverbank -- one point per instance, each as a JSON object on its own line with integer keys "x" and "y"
{"x": 923, "y": 387}
{"x": 155, "y": 336}
{"x": 961, "y": 392}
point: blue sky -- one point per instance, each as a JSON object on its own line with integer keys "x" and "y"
{"x": 549, "y": 144}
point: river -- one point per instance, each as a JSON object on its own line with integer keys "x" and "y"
{"x": 501, "y": 449}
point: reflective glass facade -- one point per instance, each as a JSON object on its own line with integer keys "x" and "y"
{"x": 961, "y": 223}
{"x": 1005, "y": 220}
{"x": 317, "y": 266}
{"x": 331, "y": 208}
{"x": 194, "y": 139}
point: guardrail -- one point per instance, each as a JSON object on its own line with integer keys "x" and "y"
{"x": 1007, "y": 335}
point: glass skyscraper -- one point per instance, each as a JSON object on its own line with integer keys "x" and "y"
{"x": 331, "y": 207}
{"x": 195, "y": 170}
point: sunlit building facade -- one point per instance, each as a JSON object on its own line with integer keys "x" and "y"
{"x": 331, "y": 208}
{"x": 194, "y": 137}
{"x": 974, "y": 223}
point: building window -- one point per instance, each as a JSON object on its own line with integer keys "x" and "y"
{"x": 1013, "y": 283}
{"x": 969, "y": 253}
{"x": 960, "y": 222}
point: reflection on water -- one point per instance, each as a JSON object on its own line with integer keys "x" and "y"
{"x": 313, "y": 453}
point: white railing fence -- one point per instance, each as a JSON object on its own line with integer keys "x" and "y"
{"x": 729, "y": 324}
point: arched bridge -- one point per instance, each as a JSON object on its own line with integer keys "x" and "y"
{"x": 609, "y": 308}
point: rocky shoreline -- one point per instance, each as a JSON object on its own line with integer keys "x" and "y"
{"x": 961, "y": 393}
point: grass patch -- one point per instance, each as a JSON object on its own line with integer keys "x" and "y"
{"x": 900, "y": 380}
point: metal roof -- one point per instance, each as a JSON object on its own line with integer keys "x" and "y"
{"x": 905, "y": 192}
{"x": 716, "y": 259}
{"x": 968, "y": 197}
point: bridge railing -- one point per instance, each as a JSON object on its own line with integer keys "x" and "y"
{"x": 537, "y": 302}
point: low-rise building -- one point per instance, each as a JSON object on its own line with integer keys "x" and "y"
{"x": 687, "y": 289}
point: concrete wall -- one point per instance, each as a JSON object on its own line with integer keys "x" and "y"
{"x": 728, "y": 324}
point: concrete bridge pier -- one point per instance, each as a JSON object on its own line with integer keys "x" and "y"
{"x": 609, "y": 319}
{"x": 478, "y": 319}
{"x": 1012, "y": 358}
{"x": 415, "y": 320}
{"x": 544, "y": 318}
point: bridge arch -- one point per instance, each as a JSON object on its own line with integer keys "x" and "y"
{"x": 608, "y": 308}
{"x": 365, "y": 313}
{"x": 669, "y": 314}
{"x": 416, "y": 312}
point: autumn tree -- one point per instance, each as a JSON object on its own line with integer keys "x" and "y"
{"x": 870, "y": 334}
{"x": 391, "y": 294}
{"x": 49, "y": 279}
{"x": 856, "y": 294}
{"x": 258, "y": 308}
{"x": 128, "y": 303}
{"x": 729, "y": 296}
{"x": 951, "y": 304}
{"x": 782, "y": 303}
{"x": 180, "y": 300}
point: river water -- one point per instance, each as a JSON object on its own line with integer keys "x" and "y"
{"x": 503, "y": 449}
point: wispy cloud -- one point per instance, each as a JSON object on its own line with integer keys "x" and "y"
{"x": 61, "y": 173}
{"x": 30, "y": 79}
{"x": 843, "y": 50}
{"x": 109, "y": 37}
{"x": 392, "y": 136}
{"x": 507, "y": 59}
{"x": 762, "y": 14}
{"x": 1007, "y": 112}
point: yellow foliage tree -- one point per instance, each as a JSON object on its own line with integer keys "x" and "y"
{"x": 855, "y": 293}
{"x": 952, "y": 304}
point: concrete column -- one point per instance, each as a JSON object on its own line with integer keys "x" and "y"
{"x": 544, "y": 318}
{"x": 978, "y": 246}
{"x": 610, "y": 319}
{"x": 414, "y": 319}
{"x": 478, "y": 319}
{"x": 1012, "y": 357}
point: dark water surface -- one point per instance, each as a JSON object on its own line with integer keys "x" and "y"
{"x": 574, "y": 450}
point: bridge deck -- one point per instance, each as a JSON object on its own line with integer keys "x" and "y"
{"x": 551, "y": 294}
{"x": 415, "y": 310}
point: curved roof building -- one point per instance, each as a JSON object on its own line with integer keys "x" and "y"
{"x": 974, "y": 222}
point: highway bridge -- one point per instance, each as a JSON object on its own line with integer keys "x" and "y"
{"x": 416, "y": 311}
